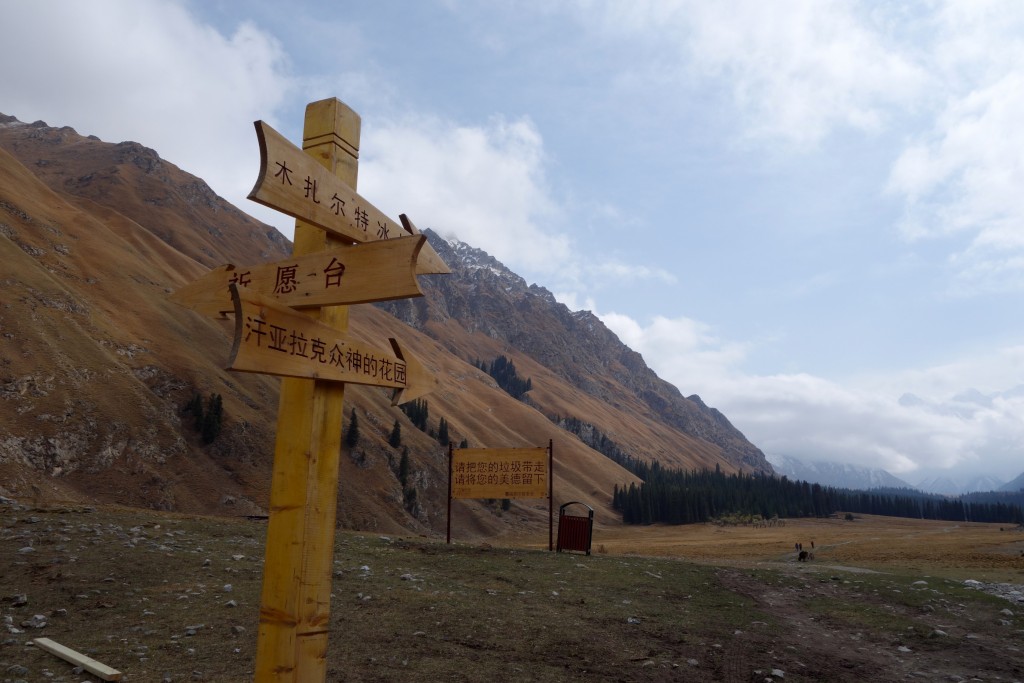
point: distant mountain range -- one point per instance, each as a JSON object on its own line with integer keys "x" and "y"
{"x": 947, "y": 486}
{"x": 1014, "y": 485}
{"x": 838, "y": 475}
{"x": 845, "y": 475}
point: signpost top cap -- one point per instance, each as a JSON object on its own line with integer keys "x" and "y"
{"x": 332, "y": 118}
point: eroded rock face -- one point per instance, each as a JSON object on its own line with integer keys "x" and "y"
{"x": 483, "y": 295}
{"x": 95, "y": 362}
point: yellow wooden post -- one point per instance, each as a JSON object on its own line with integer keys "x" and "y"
{"x": 295, "y": 604}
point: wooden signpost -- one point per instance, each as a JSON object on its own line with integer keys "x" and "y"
{"x": 291, "y": 319}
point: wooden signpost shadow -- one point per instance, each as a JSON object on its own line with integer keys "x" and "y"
{"x": 295, "y": 605}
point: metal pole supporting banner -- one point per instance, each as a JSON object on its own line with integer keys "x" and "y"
{"x": 551, "y": 494}
{"x": 450, "y": 456}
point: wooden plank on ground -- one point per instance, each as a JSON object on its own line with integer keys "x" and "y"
{"x": 98, "y": 669}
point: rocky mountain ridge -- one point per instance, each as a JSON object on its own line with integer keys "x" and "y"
{"x": 483, "y": 295}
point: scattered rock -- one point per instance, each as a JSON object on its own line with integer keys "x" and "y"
{"x": 1007, "y": 591}
{"x": 36, "y": 621}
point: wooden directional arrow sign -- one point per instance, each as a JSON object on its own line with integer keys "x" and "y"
{"x": 276, "y": 340}
{"x": 356, "y": 274}
{"x": 292, "y": 182}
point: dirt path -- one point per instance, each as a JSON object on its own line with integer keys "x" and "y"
{"x": 880, "y": 640}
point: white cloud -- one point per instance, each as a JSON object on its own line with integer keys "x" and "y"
{"x": 622, "y": 272}
{"x": 482, "y": 184}
{"x": 150, "y": 72}
{"x": 802, "y": 69}
{"x": 684, "y": 351}
{"x": 864, "y": 421}
{"x": 796, "y": 70}
{"x": 963, "y": 178}
{"x": 967, "y": 177}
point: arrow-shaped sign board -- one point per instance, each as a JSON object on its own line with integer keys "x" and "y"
{"x": 355, "y": 274}
{"x": 276, "y": 340}
{"x": 292, "y": 182}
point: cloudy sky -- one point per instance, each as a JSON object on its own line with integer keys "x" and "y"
{"x": 809, "y": 213}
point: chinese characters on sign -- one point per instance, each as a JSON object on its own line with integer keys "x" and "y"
{"x": 375, "y": 271}
{"x": 339, "y": 354}
{"x": 500, "y": 473}
{"x": 274, "y": 339}
{"x": 293, "y": 182}
{"x": 359, "y": 207}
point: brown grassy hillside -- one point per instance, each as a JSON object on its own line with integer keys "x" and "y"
{"x": 96, "y": 363}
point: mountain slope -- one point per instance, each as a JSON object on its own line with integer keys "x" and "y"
{"x": 97, "y": 364}
{"x": 496, "y": 308}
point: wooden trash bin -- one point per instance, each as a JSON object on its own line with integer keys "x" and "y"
{"x": 575, "y": 532}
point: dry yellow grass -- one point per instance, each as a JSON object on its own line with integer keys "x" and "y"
{"x": 991, "y": 552}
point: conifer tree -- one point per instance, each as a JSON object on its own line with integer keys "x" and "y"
{"x": 195, "y": 407}
{"x": 395, "y": 440}
{"x": 352, "y": 433}
{"x": 403, "y": 468}
{"x": 418, "y": 412}
{"x": 210, "y": 421}
{"x": 410, "y": 499}
{"x": 442, "y": 432}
